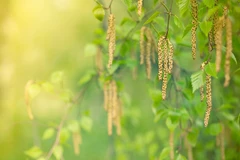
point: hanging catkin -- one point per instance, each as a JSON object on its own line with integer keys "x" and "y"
{"x": 77, "y": 140}
{"x": 111, "y": 37}
{"x": 171, "y": 144}
{"x": 170, "y": 57}
{"x": 228, "y": 51}
{"x": 202, "y": 87}
{"x": 209, "y": 100}
{"x": 148, "y": 54}
{"x": 160, "y": 58}
{"x": 142, "y": 45}
{"x": 218, "y": 42}
{"x": 28, "y": 99}
{"x": 165, "y": 69}
{"x": 139, "y": 6}
{"x": 110, "y": 109}
{"x": 194, "y": 7}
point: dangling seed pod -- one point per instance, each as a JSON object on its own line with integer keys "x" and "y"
{"x": 218, "y": 42}
{"x": 77, "y": 140}
{"x": 228, "y": 51}
{"x": 194, "y": 7}
{"x": 111, "y": 37}
{"x": 139, "y": 6}
{"x": 148, "y": 55}
{"x": 165, "y": 62}
{"x": 209, "y": 99}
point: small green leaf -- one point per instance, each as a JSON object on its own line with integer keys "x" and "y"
{"x": 187, "y": 29}
{"x": 86, "y": 123}
{"x": 34, "y": 90}
{"x": 206, "y": 27}
{"x": 128, "y": 2}
{"x": 165, "y": 153}
{"x": 211, "y": 12}
{"x": 234, "y": 58}
{"x": 98, "y": 12}
{"x": 86, "y": 78}
{"x": 156, "y": 96}
{"x": 183, "y": 6}
{"x": 66, "y": 96}
{"x": 64, "y": 135}
{"x": 214, "y": 129}
{"x": 181, "y": 157}
{"x": 58, "y": 152}
{"x": 151, "y": 18}
{"x": 73, "y": 126}
{"x": 57, "y": 77}
{"x": 90, "y": 50}
{"x": 197, "y": 80}
{"x": 34, "y": 152}
{"x": 209, "y": 3}
{"x": 171, "y": 124}
{"x": 178, "y": 23}
{"x": 193, "y": 136}
{"x": 210, "y": 69}
{"x": 48, "y": 133}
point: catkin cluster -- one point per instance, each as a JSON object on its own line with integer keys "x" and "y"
{"x": 77, "y": 140}
{"x": 147, "y": 49}
{"x": 165, "y": 62}
{"x": 112, "y": 106}
{"x": 139, "y": 6}
{"x": 194, "y": 7}
{"x": 209, "y": 99}
{"x": 111, "y": 37}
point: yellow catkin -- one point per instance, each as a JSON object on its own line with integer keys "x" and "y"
{"x": 111, "y": 37}
{"x": 142, "y": 45}
{"x": 210, "y": 40}
{"x": 218, "y": 42}
{"x": 170, "y": 58}
{"x": 194, "y": 7}
{"x": 110, "y": 110}
{"x": 139, "y": 6}
{"x": 148, "y": 54}
{"x": 98, "y": 61}
{"x": 228, "y": 51}
{"x": 160, "y": 58}
{"x": 209, "y": 100}
{"x": 202, "y": 87}
{"x": 153, "y": 50}
{"x": 77, "y": 140}
{"x": 165, "y": 74}
{"x": 222, "y": 148}
{"x": 171, "y": 144}
{"x": 28, "y": 99}
{"x": 225, "y": 14}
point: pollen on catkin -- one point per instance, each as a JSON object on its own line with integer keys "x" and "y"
{"x": 170, "y": 57}
{"x": 171, "y": 144}
{"x": 160, "y": 58}
{"x": 111, "y": 37}
{"x": 228, "y": 51}
{"x": 139, "y": 6}
{"x": 209, "y": 100}
{"x": 110, "y": 109}
{"x": 77, "y": 140}
{"x": 148, "y": 54}
{"x": 218, "y": 42}
{"x": 194, "y": 7}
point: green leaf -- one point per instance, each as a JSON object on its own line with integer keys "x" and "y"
{"x": 66, "y": 96}
{"x": 206, "y": 27}
{"x": 193, "y": 136}
{"x": 113, "y": 68}
{"x": 197, "y": 80}
{"x": 90, "y": 50}
{"x": 151, "y": 18}
{"x": 64, "y": 135}
{"x": 156, "y": 96}
{"x": 34, "y": 152}
{"x": 234, "y": 58}
{"x": 57, "y": 77}
{"x": 128, "y": 3}
{"x": 183, "y": 6}
{"x": 58, "y": 152}
{"x": 34, "y": 90}
{"x": 214, "y": 129}
{"x": 210, "y": 69}
{"x": 171, "y": 125}
{"x": 86, "y": 123}
{"x": 209, "y": 3}
{"x": 98, "y": 12}
{"x": 153, "y": 148}
{"x": 48, "y": 133}
{"x": 178, "y": 22}
{"x": 165, "y": 153}
{"x": 181, "y": 157}
{"x": 86, "y": 78}
{"x": 48, "y": 87}
{"x": 211, "y": 12}
{"x": 73, "y": 126}
{"x": 187, "y": 29}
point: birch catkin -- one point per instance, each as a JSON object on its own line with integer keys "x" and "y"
{"x": 160, "y": 58}
{"x": 209, "y": 100}
{"x": 218, "y": 42}
{"x": 148, "y": 54}
{"x": 139, "y": 6}
{"x": 228, "y": 51}
{"x": 111, "y": 37}
{"x": 194, "y": 7}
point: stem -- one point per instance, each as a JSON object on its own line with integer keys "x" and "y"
{"x": 168, "y": 20}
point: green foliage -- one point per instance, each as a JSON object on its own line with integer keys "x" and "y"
{"x": 48, "y": 133}
{"x": 98, "y": 12}
{"x": 34, "y": 152}
{"x": 197, "y": 80}
{"x": 183, "y": 6}
{"x": 206, "y": 27}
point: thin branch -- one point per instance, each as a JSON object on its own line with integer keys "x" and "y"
{"x": 168, "y": 20}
